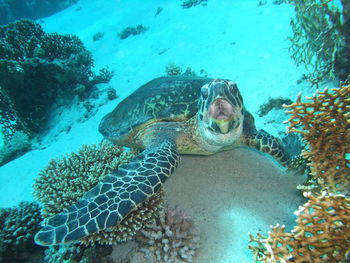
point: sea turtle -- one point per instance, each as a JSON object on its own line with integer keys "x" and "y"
{"x": 165, "y": 117}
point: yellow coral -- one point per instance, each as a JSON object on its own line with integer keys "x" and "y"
{"x": 324, "y": 123}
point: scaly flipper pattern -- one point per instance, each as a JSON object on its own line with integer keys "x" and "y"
{"x": 265, "y": 142}
{"x": 112, "y": 199}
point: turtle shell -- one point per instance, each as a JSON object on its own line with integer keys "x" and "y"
{"x": 164, "y": 99}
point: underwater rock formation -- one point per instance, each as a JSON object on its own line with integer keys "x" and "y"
{"x": 66, "y": 180}
{"x": 11, "y": 10}
{"x": 171, "y": 238}
{"x": 321, "y": 38}
{"x": 18, "y": 226}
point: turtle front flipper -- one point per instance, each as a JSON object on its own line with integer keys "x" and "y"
{"x": 265, "y": 142}
{"x": 112, "y": 199}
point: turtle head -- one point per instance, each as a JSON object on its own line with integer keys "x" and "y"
{"x": 220, "y": 114}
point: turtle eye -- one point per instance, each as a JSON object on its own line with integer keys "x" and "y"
{"x": 204, "y": 92}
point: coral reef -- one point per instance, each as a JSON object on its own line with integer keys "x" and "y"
{"x": 321, "y": 39}
{"x": 171, "y": 238}
{"x": 132, "y": 31}
{"x": 18, "y": 145}
{"x": 111, "y": 94}
{"x": 272, "y": 103}
{"x": 74, "y": 253}
{"x": 321, "y": 235}
{"x": 97, "y": 36}
{"x": 191, "y": 3}
{"x": 173, "y": 69}
{"x": 324, "y": 123}
{"x": 18, "y": 227}
{"x": 37, "y": 69}
{"x": 323, "y": 223}
{"x": 14, "y": 133}
{"x": 66, "y": 180}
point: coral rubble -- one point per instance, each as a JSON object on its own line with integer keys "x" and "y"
{"x": 171, "y": 238}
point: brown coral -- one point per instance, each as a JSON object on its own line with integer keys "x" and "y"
{"x": 321, "y": 235}
{"x": 171, "y": 238}
{"x": 324, "y": 122}
{"x": 66, "y": 180}
{"x": 320, "y": 38}
{"x": 73, "y": 253}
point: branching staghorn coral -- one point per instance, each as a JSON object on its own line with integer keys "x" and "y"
{"x": 171, "y": 238}
{"x": 324, "y": 123}
{"x": 321, "y": 235}
{"x": 66, "y": 180}
{"x": 321, "y": 39}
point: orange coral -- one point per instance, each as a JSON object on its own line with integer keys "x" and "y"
{"x": 324, "y": 123}
{"x": 321, "y": 235}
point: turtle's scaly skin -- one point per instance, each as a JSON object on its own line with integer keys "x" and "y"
{"x": 189, "y": 115}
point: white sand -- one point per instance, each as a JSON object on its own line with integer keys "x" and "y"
{"x": 230, "y": 193}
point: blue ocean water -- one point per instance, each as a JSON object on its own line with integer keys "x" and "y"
{"x": 217, "y": 72}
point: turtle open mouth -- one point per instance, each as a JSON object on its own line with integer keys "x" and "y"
{"x": 221, "y": 113}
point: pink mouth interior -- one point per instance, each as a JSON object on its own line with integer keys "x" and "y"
{"x": 221, "y": 109}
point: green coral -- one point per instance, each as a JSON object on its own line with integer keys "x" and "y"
{"x": 321, "y": 38}
{"x": 37, "y": 68}
{"x": 18, "y": 226}
{"x": 191, "y": 3}
{"x": 132, "y": 31}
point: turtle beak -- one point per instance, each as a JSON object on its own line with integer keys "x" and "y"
{"x": 221, "y": 113}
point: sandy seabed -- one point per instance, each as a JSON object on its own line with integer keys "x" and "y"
{"x": 229, "y": 195}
